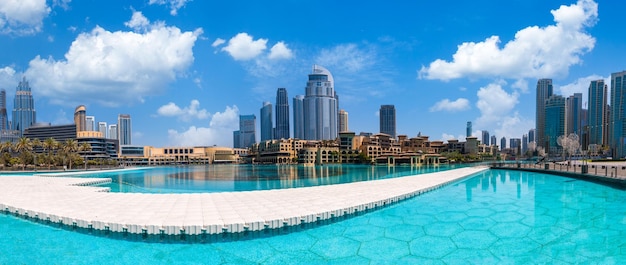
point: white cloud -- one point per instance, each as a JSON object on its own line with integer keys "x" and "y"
{"x": 580, "y": 85}
{"x": 61, "y": 118}
{"x": 535, "y": 52}
{"x": 174, "y": 5}
{"x": 186, "y": 114}
{"x": 347, "y": 57}
{"x": 8, "y": 77}
{"x": 218, "y": 42}
{"x": 451, "y": 106}
{"x": 494, "y": 103}
{"x": 243, "y": 47}
{"x": 280, "y": 51}
{"x": 219, "y": 132}
{"x": 113, "y": 68}
{"x": 22, "y": 17}
{"x": 138, "y": 22}
{"x": 445, "y": 137}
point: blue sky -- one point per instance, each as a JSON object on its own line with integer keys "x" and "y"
{"x": 184, "y": 70}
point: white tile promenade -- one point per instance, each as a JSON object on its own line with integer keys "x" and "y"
{"x": 68, "y": 201}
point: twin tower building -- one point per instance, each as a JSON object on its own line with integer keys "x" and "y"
{"x": 315, "y": 115}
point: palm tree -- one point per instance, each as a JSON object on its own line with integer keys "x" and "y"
{"x": 24, "y": 146}
{"x": 5, "y": 149}
{"x": 85, "y": 147}
{"x": 50, "y": 145}
{"x": 70, "y": 147}
{"x": 35, "y": 144}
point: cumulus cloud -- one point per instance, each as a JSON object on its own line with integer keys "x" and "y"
{"x": 535, "y": 51}
{"x": 218, "y": 42}
{"x": 8, "y": 77}
{"x": 113, "y": 68}
{"x": 192, "y": 111}
{"x": 22, "y": 17}
{"x": 280, "y": 51}
{"x": 138, "y": 21}
{"x": 494, "y": 103}
{"x": 219, "y": 132}
{"x": 445, "y": 137}
{"x": 451, "y": 106}
{"x": 244, "y": 47}
{"x": 174, "y": 5}
{"x": 348, "y": 57}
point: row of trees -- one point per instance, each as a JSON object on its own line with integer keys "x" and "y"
{"x": 54, "y": 153}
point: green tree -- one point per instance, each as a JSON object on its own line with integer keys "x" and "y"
{"x": 5, "y": 149}
{"x": 84, "y": 148}
{"x": 70, "y": 147}
{"x": 23, "y": 147}
{"x": 50, "y": 145}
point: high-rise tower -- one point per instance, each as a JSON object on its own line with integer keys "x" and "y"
{"x": 4, "y": 119}
{"x": 90, "y": 123}
{"x": 246, "y": 136}
{"x": 320, "y": 106}
{"x": 24, "y": 114}
{"x": 468, "y": 129}
{"x": 544, "y": 91}
{"x": 298, "y": 117}
{"x": 282, "y": 114}
{"x": 267, "y": 126}
{"x": 554, "y": 123}
{"x": 102, "y": 128}
{"x": 112, "y": 131}
{"x": 343, "y": 121}
{"x": 618, "y": 114}
{"x": 387, "y": 115}
{"x": 80, "y": 118}
{"x": 597, "y": 107}
{"x": 124, "y": 129}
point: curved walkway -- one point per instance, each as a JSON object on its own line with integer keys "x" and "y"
{"x": 70, "y": 202}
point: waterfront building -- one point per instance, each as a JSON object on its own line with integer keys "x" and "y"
{"x": 112, "y": 131}
{"x": 24, "y": 114}
{"x": 90, "y": 123}
{"x": 544, "y": 91}
{"x": 282, "y": 114}
{"x": 43, "y": 131}
{"x": 387, "y": 116}
{"x": 468, "y": 129}
{"x": 101, "y": 148}
{"x": 102, "y": 128}
{"x": 267, "y": 127}
{"x": 554, "y": 123}
{"x": 573, "y": 115}
{"x": 320, "y": 106}
{"x": 597, "y": 109}
{"x": 124, "y": 129}
{"x": 485, "y": 138}
{"x": 80, "y": 118}
{"x": 494, "y": 140}
{"x": 298, "y": 117}
{"x": 618, "y": 114}
{"x": 343, "y": 121}
{"x": 502, "y": 143}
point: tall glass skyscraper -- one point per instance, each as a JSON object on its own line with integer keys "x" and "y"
{"x": 282, "y": 114}
{"x": 24, "y": 114}
{"x": 247, "y": 132}
{"x": 554, "y": 122}
{"x": 112, "y": 131}
{"x": 597, "y": 107}
{"x": 80, "y": 118}
{"x": 90, "y": 123}
{"x": 485, "y": 138}
{"x": 343, "y": 121}
{"x": 124, "y": 129}
{"x": 544, "y": 91}
{"x": 573, "y": 115}
{"x": 468, "y": 129}
{"x": 4, "y": 119}
{"x": 298, "y": 117}
{"x": 266, "y": 122}
{"x": 102, "y": 128}
{"x": 618, "y": 114}
{"x": 320, "y": 106}
{"x": 387, "y": 116}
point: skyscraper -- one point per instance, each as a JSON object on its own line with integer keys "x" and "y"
{"x": 597, "y": 107}
{"x": 4, "y": 119}
{"x": 387, "y": 115}
{"x": 124, "y": 129}
{"x": 320, "y": 106}
{"x": 544, "y": 91}
{"x": 574, "y": 111}
{"x": 80, "y": 118}
{"x": 343, "y": 121}
{"x": 24, "y": 114}
{"x": 246, "y": 133}
{"x": 554, "y": 122}
{"x": 531, "y": 135}
{"x": 102, "y": 128}
{"x": 90, "y": 123}
{"x": 267, "y": 127}
{"x": 524, "y": 143}
{"x": 618, "y": 114}
{"x": 485, "y": 138}
{"x": 282, "y": 114}
{"x": 502, "y": 143}
{"x": 113, "y": 131}
{"x": 468, "y": 129}
{"x": 494, "y": 140}
{"x": 298, "y": 117}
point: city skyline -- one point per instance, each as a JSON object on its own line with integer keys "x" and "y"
{"x": 409, "y": 57}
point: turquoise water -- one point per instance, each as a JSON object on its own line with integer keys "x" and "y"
{"x": 220, "y": 178}
{"x": 496, "y": 217}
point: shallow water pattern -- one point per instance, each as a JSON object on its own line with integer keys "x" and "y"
{"x": 497, "y": 217}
